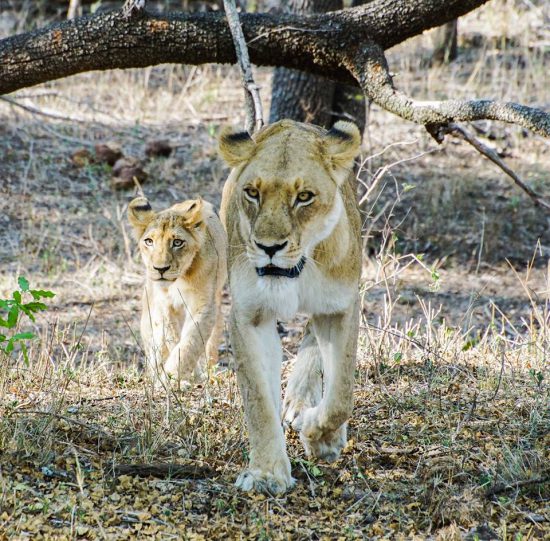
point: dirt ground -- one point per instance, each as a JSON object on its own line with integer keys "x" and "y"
{"x": 450, "y": 436}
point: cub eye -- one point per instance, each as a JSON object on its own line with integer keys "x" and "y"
{"x": 148, "y": 242}
{"x": 178, "y": 243}
{"x": 304, "y": 197}
{"x": 252, "y": 194}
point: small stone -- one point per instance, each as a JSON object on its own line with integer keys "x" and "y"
{"x": 82, "y": 157}
{"x": 158, "y": 148}
{"x": 124, "y": 172}
{"x": 108, "y": 153}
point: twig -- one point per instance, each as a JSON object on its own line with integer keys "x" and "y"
{"x": 164, "y": 470}
{"x": 503, "y": 487}
{"x": 36, "y": 111}
{"x": 253, "y": 103}
{"x": 83, "y": 424}
{"x": 459, "y": 131}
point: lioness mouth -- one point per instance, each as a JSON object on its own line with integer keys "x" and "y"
{"x": 272, "y": 270}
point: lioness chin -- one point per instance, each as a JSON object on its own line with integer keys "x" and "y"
{"x": 294, "y": 245}
{"x": 184, "y": 250}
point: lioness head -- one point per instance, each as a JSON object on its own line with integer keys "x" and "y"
{"x": 287, "y": 188}
{"x": 168, "y": 240}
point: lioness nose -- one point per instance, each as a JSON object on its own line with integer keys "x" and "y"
{"x": 273, "y": 249}
{"x": 162, "y": 270}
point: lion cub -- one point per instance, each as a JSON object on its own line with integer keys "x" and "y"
{"x": 184, "y": 252}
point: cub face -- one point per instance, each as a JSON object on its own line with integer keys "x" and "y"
{"x": 287, "y": 191}
{"x": 168, "y": 240}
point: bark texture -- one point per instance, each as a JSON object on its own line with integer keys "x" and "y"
{"x": 300, "y": 95}
{"x": 346, "y": 45}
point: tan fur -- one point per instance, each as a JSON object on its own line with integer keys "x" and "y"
{"x": 181, "y": 319}
{"x": 261, "y": 209}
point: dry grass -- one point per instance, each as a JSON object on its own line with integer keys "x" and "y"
{"x": 450, "y": 436}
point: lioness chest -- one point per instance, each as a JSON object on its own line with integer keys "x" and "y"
{"x": 310, "y": 293}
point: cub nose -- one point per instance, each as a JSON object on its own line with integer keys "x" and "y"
{"x": 273, "y": 249}
{"x": 161, "y": 270}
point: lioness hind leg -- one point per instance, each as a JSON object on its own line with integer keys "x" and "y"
{"x": 323, "y": 431}
{"x": 305, "y": 386}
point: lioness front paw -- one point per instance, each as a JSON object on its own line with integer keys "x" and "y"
{"x": 265, "y": 482}
{"x": 318, "y": 442}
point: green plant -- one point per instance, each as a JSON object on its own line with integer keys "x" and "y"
{"x": 12, "y": 310}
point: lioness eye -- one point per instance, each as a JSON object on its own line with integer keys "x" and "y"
{"x": 304, "y": 197}
{"x": 178, "y": 243}
{"x": 252, "y": 193}
{"x": 148, "y": 242}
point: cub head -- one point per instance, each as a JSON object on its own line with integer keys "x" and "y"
{"x": 287, "y": 184}
{"x": 168, "y": 240}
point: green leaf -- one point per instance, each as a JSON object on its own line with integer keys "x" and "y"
{"x": 3, "y": 322}
{"x": 34, "y": 306}
{"x": 2, "y": 337}
{"x": 13, "y": 314}
{"x": 9, "y": 347}
{"x": 23, "y": 283}
{"x": 41, "y": 293}
{"x": 23, "y": 336}
{"x": 316, "y": 471}
{"x": 25, "y": 309}
{"x": 25, "y": 354}
{"x": 17, "y": 296}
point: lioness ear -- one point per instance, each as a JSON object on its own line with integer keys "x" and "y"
{"x": 342, "y": 145}
{"x": 235, "y": 147}
{"x": 191, "y": 212}
{"x": 140, "y": 214}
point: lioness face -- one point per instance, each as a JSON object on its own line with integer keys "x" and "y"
{"x": 168, "y": 240}
{"x": 287, "y": 190}
{"x": 286, "y": 216}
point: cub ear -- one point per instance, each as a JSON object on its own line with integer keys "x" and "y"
{"x": 342, "y": 145}
{"x": 191, "y": 212}
{"x": 140, "y": 214}
{"x": 235, "y": 147}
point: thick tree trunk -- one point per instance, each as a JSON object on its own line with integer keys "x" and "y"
{"x": 299, "y": 95}
{"x": 446, "y": 43}
{"x": 309, "y": 98}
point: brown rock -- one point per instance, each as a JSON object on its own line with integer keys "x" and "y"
{"x": 158, "y": 148}
{"x": 124, "y": 172}
{"x": 82, "y": 157}
{"x": 108, "y": 153}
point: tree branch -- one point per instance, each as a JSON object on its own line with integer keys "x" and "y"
{"x": 370, "y": 68}
{"x": 313, "y": 43}
{"x": 346, "y": 45}
{"x": 253, "y": 103}
{"x": 489, "y": 153}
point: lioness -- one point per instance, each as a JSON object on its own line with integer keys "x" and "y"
{"x": 294, "y": 245}
{"x": 184, "y": 249}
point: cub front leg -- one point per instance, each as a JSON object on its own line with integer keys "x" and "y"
{"x": 258, "y": 357}
{"x": 323, "y": 432}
